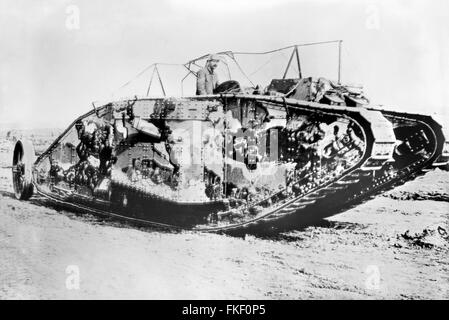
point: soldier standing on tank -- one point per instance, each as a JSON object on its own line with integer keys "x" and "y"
{"x": 207, "y": 79}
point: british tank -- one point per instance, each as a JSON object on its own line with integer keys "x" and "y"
{"x": 298, "y": 149}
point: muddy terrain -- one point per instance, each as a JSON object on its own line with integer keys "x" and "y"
{"x": 393, "y": 246}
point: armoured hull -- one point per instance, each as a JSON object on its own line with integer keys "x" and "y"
{"x": 214, "y": 162}
{"x": 232, "y": 161}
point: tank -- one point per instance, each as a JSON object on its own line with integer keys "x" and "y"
{"x": 241, "y": 159}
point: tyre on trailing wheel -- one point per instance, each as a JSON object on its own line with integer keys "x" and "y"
{"x": 22, "y": 165}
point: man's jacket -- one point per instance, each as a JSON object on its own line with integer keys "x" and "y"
{"x": 206, "y": 81}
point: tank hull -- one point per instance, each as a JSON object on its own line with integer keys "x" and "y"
{"x": 298, "y": 160}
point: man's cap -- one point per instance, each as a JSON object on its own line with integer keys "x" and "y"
{"x": 214, "y": 57}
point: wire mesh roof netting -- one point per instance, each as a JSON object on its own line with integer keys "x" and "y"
{"x": 248, "y": 68}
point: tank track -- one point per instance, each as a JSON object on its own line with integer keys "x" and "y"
{"x": 383, "y": 182}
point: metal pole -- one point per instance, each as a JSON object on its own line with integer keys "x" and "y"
{"x": 160, "y": 80}
{"x": 297, "y": 61}
{"x": 288, "y": 65}
{"x": 229, "y": 71}
{"x": 151, "y": 80}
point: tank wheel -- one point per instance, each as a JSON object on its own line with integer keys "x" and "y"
{"x": 22, "y": 164}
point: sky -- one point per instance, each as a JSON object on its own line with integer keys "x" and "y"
{"x": 57, "y": 57}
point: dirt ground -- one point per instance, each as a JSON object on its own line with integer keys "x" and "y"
{"x": 394, "y": 246}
